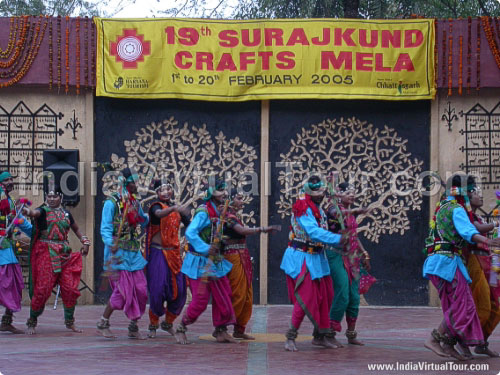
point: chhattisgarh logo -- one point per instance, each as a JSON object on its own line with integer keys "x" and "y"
{"x": 130, "y": 48}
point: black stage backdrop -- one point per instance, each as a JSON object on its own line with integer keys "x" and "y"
{"x": 120, "y": 121}
{"x": 396, "y": 259}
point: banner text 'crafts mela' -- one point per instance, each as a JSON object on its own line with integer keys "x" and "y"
{"x": 256, "y": 60}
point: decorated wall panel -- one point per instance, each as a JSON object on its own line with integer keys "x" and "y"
{"x": 470, "y": 126}
{"x": 30, "y": 123}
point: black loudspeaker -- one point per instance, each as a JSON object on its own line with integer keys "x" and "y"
{"x": 60, "y": 169}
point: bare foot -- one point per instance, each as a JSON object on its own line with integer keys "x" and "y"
{"x": 242, "y": 335}
{"x": 290, "y": 346}
{"x": 181, "y": 338}
{"x": 450, "y": 350}
{"x": 167, "y": 327}
{"x": 31, "y": 331}
{"x": 74, "y": 328}
{"x": 336, "y": 343}
{"x": 434, "y": 345}
{"x": 483, "y": 349}
{"x": 136, "y": 335}
{"x": 10, "y": 328}
{"x": 323, "y": 342}
{"x": 223, "y": 336}
{"x": 170, "y": 330}
{"x": 152, "y": 333}
{"x": 355, "y": 341}
{"x": 106, "y": 332}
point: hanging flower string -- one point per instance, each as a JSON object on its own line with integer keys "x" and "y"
{"x": 93, "y": 53}
{"x": 435, "y": 58}
{"x": 77, "y": 67}
{"x": 25, "y": 38}
{"x": 51, "y": 55}
{"x": 490, "y": 37}
{"x": 497, "y": 25}
{"x": 12, "y": 38}
{"x": 66, "y": 57}
{"x": 35, "y": 39}
{"x": 469, "y": 52}
{"x": 17, "y": 25}
{"x": 19, "y": 46}
{"x": 86, "y": 52}
{"x": 443, "y": 63}
{"x": 450, "y": 57}
{"x": 59, "y": 63}
{"x": 27, "y": 44}
{"x": 478, "y": 54}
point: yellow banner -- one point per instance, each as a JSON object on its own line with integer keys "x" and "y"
{"x": 220, "y": 60}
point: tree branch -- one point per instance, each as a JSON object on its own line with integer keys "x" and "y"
{"x": 483, "y": 8}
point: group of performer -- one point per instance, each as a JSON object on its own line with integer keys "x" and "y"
{"x": 323, "y": 255}
{"x": 51, "y": 260}
{"x": 459, "y": 265}
{"x": 216, "y": 265}
{"x": 325, "y": 263}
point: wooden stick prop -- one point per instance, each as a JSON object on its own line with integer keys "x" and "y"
{"x": 220, "y": 227}
{"x": 113, "y": 259}
{"x": 57, "y": 296}
{"x": 114, "y": 248}
{"x": 333, "y": 199}
{"x": 16, "y": 221}
{"x": 217, "y": 240}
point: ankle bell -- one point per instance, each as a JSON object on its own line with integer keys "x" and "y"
{"x": 6, "y": 319}
{"x": 103, "y": 324}
{"x": 133, "y": 327}
{"x": 351, "y": 334}
{"x": 291, "y": 334}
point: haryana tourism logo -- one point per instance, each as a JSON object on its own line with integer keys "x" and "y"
{"x": 130, "y": 48}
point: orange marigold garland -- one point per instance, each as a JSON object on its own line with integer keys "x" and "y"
{"x": 443, "y": 63}
{"x": 478, "y": 54}
{"x": 66, "y": 56}
{"x": 12, "y": 38}
{"x": 497, "y": 24}
{"x": 19, "y": 47}
{"x": 86, "y": 51}
{"x": 450, "y": 58}
{"x": 51, "y": 55}
{"x": 77, "y": 68}
{"x": 469, "y": 52}
{"x": 35, "y": 40}
{"x": 24, "y": 44}
{"x": 59, "y": 62}
{"x": 435, "y": 57}
{"x": 93, "y": 53}
{"x": 490, "y": 37}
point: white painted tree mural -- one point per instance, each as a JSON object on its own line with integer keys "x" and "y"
{"x": 357, "y": 149}
{"x": 184, "y": 156}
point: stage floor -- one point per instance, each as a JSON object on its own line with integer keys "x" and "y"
{"x": 393, "y": 337}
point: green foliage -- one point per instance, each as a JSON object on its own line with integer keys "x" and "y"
{"x": 289, "y": 9}
{"x": 370, "y": 9}
{"x": 59, "y": 7}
